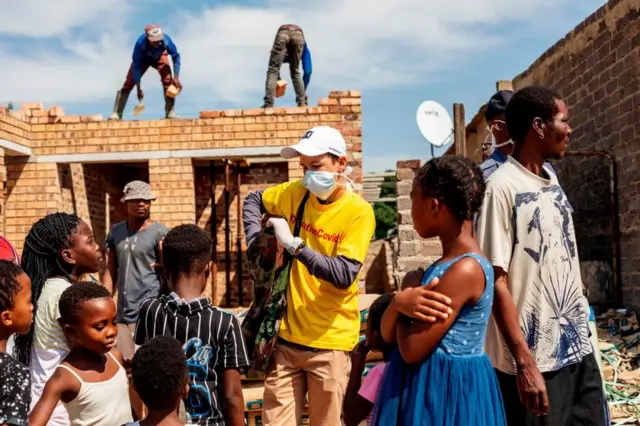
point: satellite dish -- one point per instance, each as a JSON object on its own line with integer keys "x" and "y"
{"x": 434, "y": 123}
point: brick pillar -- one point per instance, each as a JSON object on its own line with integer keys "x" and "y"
{"x": 172, "y": 181}
{"x": 295, "y": 170}
{"x": 33, "y": 191}
{"x": 3, "y": 184}
{"x": 413, "y": 251}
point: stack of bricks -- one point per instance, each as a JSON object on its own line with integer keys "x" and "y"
{"x": 413, "y": 251}
{"x": 56, "y": 179}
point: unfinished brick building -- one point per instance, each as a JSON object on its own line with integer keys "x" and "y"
{"x": 52, "y": 162}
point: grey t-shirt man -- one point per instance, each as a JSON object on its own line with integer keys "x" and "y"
{"x": 135, "y": 252}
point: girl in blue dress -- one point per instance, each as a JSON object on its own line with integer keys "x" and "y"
{"x": 439, "y": 374}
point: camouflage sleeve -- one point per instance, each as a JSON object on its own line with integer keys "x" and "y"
{"x": 252, "y": 211}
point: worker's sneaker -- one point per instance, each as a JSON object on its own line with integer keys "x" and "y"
{"x": 114, "y": 116}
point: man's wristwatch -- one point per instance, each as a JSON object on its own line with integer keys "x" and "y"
{"x": 301, "y": 246}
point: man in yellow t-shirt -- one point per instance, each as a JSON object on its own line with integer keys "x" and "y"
{"x": 322, "y": 322}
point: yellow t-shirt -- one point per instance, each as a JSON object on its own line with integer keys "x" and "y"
{"x": 319, "y": 314}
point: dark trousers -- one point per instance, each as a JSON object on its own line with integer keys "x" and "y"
{"x": 162, "y": 66}
{"x": 287, "y": 43}
{"x": 575, "y": 396}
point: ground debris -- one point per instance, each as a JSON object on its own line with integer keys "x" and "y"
{"x": 619, "y": 345}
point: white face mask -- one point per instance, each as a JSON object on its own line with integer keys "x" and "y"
{"x": 494, "y": 145}
{"x": 322, "y": 183}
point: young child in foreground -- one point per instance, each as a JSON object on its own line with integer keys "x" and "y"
{"x": 16, "y": 314}
{"x": 58, "y": 251}
{"x": 212, "y": 339}
{"x": 359, "y": 400}
{"x": 161, "y": 378}
{"x": 90, "y": 382}
{"x": 439, "y": 374}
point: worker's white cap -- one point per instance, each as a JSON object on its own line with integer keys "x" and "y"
{"x": 155, "y": 33}
{"x": 317, "y": 141}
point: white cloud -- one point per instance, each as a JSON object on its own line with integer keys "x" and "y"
{"x": 225, "y": 49}
{"x": 46, "y": 18}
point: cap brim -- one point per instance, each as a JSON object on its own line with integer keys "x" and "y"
{"x": 155, "y": 38}
{"x": 125, "y": 199}
{"x": 293, "y": 151}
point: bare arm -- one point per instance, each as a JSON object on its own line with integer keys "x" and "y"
{"x": 232, "y": 399}
{"x": 355, "y": 408}
{"x": 531, "y": 384}
{"x": 506, "y": 316}
{"x": 109, "y": 272}
{"x": 419, "y": 303}
{"x": 463, "y": 282}
{"x": 61, "y": 386}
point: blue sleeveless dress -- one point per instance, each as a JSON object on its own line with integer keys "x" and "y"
{"x": 456, "y": 385}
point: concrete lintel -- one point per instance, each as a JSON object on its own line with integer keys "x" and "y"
{"x": 228, "y": 152}
{"x": 121, "y": 157}
{"x": 15, "y": 148}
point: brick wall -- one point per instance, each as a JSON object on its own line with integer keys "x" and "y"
{"x": 57, "y": 179}
{"x": 413, "y": 252}
{"x": 595, "y": 69}
{"x": 377, "y": 270}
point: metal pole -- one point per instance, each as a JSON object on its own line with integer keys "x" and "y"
{"x": 227, "y": 242}
{"x": 214, "y": 232}
{"x": 239, "y": 238}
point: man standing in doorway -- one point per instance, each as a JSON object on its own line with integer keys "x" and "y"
{"x": 321, "y": 323}
{"x": 133, "y": 248}
{"x": 152, "y": 49}
{"x": 289, "y": 46}
{"x": 526, "y": 229}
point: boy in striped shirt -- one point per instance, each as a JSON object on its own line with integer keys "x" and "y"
{"x": 211, "y": 339}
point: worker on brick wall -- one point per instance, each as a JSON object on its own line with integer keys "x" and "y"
{"x": 321, "y": 323}
{"x": 152, "y": 49}
{"x": 289, "y": 46}
{"x": 133, "y": 249}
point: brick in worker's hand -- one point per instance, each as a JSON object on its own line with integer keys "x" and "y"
{"x": 281, "y": 88}
{"x": 172, "y": 91}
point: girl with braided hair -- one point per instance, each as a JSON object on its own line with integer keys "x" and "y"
{"x": 58, "y": 251}
{"x": 439, "y": 374}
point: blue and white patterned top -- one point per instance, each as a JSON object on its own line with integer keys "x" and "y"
{"x": 467, "y": 334}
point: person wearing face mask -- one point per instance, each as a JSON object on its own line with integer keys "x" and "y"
{"x": 501, "y": 143}
{"x": 321, "y": 322}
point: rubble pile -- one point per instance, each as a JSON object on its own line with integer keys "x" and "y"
{"x": 619, "y": 344}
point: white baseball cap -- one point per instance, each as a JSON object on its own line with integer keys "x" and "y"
{"x": 317, "y": 141}
{"x": 155, "y": 34}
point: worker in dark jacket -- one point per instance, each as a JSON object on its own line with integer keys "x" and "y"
{"x": 152, "y": 49}
{"x": 289, "y": 46}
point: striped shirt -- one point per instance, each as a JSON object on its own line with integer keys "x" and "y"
{"x": 212, "y": 341}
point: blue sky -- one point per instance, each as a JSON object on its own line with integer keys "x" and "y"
{"x": 75, "y": 54}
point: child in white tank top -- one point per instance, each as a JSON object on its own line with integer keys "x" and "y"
{"x": 90, "y": 382}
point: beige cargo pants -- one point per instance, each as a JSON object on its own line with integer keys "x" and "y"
{"x": 296, "y": 370}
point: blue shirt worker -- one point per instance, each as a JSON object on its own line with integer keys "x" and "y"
{"x": 152, "y": 49}
{"x": 289, "y": 47}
